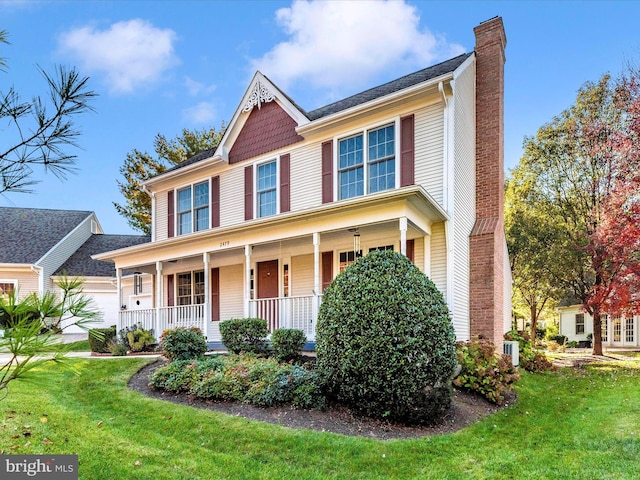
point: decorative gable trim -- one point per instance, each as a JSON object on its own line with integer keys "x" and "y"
{"x": 260, "y": 94}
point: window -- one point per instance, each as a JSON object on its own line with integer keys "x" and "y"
{"x": 193, "y": 208}
{"x": 7, "y": 287}
{"x": 137, "y": 283}
{"x": 382, "y": 159}
{"x": 191, "y": 288}
{"x": 380, "y": 173}
{"x": 629, "y": 330}
{"x": 347, "y": 258}
{"x": 386, "y": 247}
{"x": 605, "y": 328}
{"x": 579, "y": 323}
{"x": 617, "y": 329}
{"x": 267, "y": 188}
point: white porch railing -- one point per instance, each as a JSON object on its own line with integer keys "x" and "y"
{"x": 169, "y": 317}
{"x": 300, "y": 313}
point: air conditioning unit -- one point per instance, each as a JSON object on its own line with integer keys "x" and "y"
{"x": 513, "y": 349}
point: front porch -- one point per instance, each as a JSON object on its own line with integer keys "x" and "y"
{"x": 298, "y": 313}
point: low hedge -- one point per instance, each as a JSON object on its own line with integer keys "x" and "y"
{"x": 100, "y": 339}
{"x": 183, "y": 343}
{"x": 244, "y": 335}
{"x": 287, "y": 343}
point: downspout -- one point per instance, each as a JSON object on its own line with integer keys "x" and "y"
{"x": 39, "y": 271}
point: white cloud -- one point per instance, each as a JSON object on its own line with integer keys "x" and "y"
{"x": 338, "y": 43}
{"x": 130, "y": 54}
{"x": 202, "y": 113}
{"x": 196, "y": 88}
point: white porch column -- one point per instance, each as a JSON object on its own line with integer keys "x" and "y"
{"x": 427, "y": 255}
{"x": 158, "y": 297}
{"x": 316, "y": 263}
{"x": 247, "y": 279}
{"x": 403, "y": 235}
{"x": 119, "y": 289}
{"x": 316, "y": 280}
{"x": 207, "y": 295}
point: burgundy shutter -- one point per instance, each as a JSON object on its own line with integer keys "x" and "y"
{"x": 411, "y": 250}
{"x": 327, "y": 172}
{"x": 170, "y": 215}
{"x": 285, "y": 180}
{"x": 215, "y": 202}
{"x": 327, "y": 269}
{"x": 407, "y": 158}
{"x": 248, "y": 192}
{"x": 215, "y": 294}
{"x": 170, "y": 291}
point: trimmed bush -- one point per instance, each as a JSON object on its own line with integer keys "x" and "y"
{"x": 137, "y": 339}
{"x": 100, "y": 339}
{"x": 385, "y": 343}
{"x": 484, "y": 372}
{"x": 287, "y": 343}
{"x": 183, "y": 343}
{"x": 559, "y": 339}
{"x": 244, "y": 335}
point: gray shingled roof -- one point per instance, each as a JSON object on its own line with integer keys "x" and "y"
{"x": 398, "y": 84}
{"x": 81, "y": 263}
{"x": 26, "y": 234}
{"x": 390, "y": 87}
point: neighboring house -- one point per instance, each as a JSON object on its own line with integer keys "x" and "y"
{"x": 263, "y": 223}
{"x": 37, "y": 246}
{"x": 621, "y": 331}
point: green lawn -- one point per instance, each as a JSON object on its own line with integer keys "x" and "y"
{"x": 569, "y": 424}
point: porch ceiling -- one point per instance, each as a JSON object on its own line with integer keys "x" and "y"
{"x": 413, "y": 202}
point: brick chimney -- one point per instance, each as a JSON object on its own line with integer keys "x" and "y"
{"x": 487, "y": 237}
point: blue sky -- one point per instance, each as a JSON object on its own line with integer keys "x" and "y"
{"x": 163, "y": 66}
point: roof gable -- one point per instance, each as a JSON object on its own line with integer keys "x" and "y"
{"x": 265, "y": 120}
{"x": 81, "y": 264}
{"x": 29, "y": 233}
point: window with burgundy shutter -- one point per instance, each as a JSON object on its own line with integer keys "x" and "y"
{"x": 248, "y": 192}
{"x": 215, "y": 202}
{"x": 170, "y": 215}
{"x": 285, "y": 181}
{"x": 407, "y": 148}
{"x": 327, "y": 172}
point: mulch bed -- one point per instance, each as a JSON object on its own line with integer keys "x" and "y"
{"x": 466, "y": 409}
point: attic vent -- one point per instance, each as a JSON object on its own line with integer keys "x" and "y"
{"x": 94, "y": 227}
{"x": 259, "y": 95}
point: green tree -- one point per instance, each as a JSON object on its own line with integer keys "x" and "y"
{"x": 529, "y": 234}
{"x": 573, "y": 168}
{"x": 30, "y": 328}
{"x": 141, "y": 166}
{"x": 36, "y": 132}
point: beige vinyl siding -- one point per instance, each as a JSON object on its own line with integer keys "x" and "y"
{"x": 162, "y": 210}
{"x": 429, "y": 131}
{"x": 231, "y": 292}
{"x": 439, "y": 257}
{"x": 59, "y": 254}
{"x": 418, "y": 253}
{"x": 306, "y": 177}
{"x": 232, "y": 196}
{"x": 27, "y": 281}
{"x": 464, "y": 188}
{"x": 301, "y": 275}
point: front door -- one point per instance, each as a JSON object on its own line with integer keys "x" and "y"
{"x": 268, "y": 293}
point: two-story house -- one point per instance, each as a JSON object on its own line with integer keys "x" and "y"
{"x": 263, "y": 223}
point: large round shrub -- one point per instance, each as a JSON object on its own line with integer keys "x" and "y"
{"x": 385, "y": 342}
